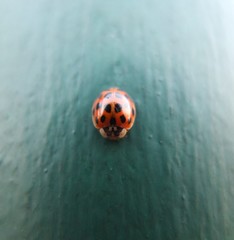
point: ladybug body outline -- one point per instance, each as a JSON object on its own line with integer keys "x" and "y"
{"x": 113, "y": 113}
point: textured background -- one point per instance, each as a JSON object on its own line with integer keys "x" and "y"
{"x": 172, "y": 177}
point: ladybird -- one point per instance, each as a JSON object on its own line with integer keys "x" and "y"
{"x": 113, "y": 113}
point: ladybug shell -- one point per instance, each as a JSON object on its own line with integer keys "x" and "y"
{"x": 113, "y": 113}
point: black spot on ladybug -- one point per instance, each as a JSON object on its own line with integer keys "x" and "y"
{"x": 103, "y": 118}
{"x": 133, "y": 112}
{"x": 108, "y": 108}
{"x": 98, "y": 106}
{"x": 118, "y": 107}
{"x": 96, "y": 120}
{"x": 129, "y": 120}
{"x": 112, "y": 121}
{"x": 118, "y": 95}
{"x": 122, "y": 118}
{"x": 108, "y": 95}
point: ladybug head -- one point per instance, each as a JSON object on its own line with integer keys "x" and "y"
{"x": 113, "y": 132}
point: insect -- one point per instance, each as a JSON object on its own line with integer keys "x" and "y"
{"x": 113, "y": 113}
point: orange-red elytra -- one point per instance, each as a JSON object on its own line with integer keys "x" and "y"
{"x": 113, "y": 113}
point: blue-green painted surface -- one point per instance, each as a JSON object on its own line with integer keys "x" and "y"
{"x": 172, "y": 177}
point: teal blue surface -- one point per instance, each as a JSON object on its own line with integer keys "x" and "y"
{"x": 172, "y": 177}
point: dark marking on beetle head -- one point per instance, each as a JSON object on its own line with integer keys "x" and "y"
{"x": 116, "y": 133}
{"x": 119, "y": 129}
